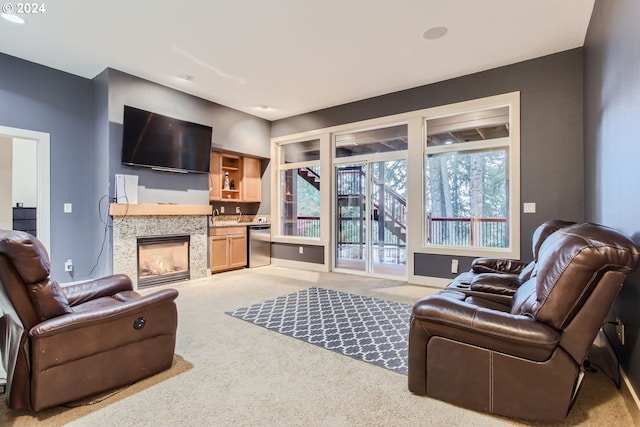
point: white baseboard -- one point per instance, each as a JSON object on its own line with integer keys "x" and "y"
{"x": 432, "y": 282}
{"x": 299, "y": 265}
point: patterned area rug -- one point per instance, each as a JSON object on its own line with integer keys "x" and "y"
{"x": 361, "y": 327}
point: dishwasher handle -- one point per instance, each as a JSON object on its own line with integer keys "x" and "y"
{"x": 259, "y": 227}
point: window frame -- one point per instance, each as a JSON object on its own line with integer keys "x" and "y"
{"x": 277, "y": 156}
{"x": 416, "y": 216}
{"x": 511, "y": 143}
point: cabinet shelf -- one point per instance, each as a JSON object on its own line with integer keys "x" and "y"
{"x": 230, "y": 191}
{"x": 230, "y": 168}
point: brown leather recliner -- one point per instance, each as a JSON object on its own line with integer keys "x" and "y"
{"x": 522, "y": 359}
{"x": 62, "y": 344}
{"x": 498, "y": 279}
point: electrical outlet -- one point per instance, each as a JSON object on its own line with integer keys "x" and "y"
{"x": 300, "y": 250}
{"x": 454, "y": 266}
{"x": 238, "y": 209}
{"x": 68, "y": 265}
{"x": 221, "y": 209}
{"x": 620, "y": 330}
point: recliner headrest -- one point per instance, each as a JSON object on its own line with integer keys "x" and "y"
{"x": 571, "y": 262}
{"x": 27, "y": 254}
{"x": 543, "y": 231}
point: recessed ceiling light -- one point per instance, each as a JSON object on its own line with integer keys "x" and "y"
{"x": 12, "y": 18}
{"x": 434, "y": 33}
{"x": 264, "y": 107}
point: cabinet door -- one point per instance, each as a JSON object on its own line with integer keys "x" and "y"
{"x": 251, "y": 168}
{"x": 215, "y": 177}
{"x": 218, "y": 253}
{"x": 238, "y": 250}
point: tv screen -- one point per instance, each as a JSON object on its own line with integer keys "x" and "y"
{"x": 164, "y": 143}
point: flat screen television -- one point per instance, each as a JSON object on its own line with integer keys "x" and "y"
{"x": 164, "y": 143}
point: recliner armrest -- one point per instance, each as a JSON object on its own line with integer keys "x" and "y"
{"x": 446, "y": 314}
{"x": 497, "y": 265}
{"x": 99, "y": 314}
{"x": 103, "y": 287}
{"x": 496, "y": 283}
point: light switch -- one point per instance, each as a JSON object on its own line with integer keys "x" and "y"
{"x": 529, "y": 207}
{"x": 68, "y": 208}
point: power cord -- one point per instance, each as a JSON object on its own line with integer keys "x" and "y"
{"x": 106, "y": 224}
{"x": 591, "y": 367}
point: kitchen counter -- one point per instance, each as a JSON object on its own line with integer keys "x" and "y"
{"x": 235, "y": 223}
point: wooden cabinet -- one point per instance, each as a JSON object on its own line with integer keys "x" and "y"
{"x": 234, "y": 179}
{"x": 227, "y": 248}
{"x": 215, "y": 177}
{"x": 251, "y": 182}
{"x": 225, "y": 175}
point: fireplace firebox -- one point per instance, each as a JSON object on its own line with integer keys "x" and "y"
{"x": 163, "y": 259}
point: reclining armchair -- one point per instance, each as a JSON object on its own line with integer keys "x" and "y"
{"x": 498, "y": 279}
{"x": 524, "y": 358}
{"x": 62, "y": 344}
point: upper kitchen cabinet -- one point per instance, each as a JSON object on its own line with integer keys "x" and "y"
{"x": 251, "y": 182}
{"x": 234, "y": 178}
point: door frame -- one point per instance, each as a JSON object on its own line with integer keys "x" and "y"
{"x": 43, "y": 144}
{"x": 367, "y": 159}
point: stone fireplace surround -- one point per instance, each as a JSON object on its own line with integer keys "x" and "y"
{"x": 133, "y": 221}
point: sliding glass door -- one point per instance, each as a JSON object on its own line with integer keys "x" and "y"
{"x": 371, "y": 225}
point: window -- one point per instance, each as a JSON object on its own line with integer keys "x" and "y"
{"x": 299, "y": 180}
{"x": 468, "y": 199}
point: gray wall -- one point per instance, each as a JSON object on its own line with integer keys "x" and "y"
{"x": 84, "y": 119}
{"x": 100, "y": 171}
{"x": 38, "y": 98}
{"x": 232, "y": 131}
{"x": 552, "y": 171}
{"x": 612, "y": 109}
{"x": 291, "y": 252}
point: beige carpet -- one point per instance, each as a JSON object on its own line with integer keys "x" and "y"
{"x": 229, "y": 372}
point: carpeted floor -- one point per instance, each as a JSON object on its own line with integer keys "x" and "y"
{"x": 232, "y": 373}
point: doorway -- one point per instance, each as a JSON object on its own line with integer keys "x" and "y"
{"x": 40, "y": 166}
{"x": 371, "y": 217}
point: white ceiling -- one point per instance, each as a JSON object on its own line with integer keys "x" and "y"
{"x": 293, "y": 56}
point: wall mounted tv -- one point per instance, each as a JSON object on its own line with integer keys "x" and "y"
{"x": 164, "y": 143}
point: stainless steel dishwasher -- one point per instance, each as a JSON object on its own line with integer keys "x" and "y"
{"x": 259, "y": 245}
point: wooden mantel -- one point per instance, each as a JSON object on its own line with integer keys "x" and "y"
{"x": 121, "y": 209}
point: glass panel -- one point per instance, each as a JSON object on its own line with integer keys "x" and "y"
{"x": 351, "y": 246}
{"x": 304, "y": 151}
{"x": 371, "y": 141}
{"x": 389, "y": 224}
{"x": 163, "y": 258}
{"x": 467, "y": 198}
{"x": 474, "y": 126}
{"x": 300, "y": 190}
